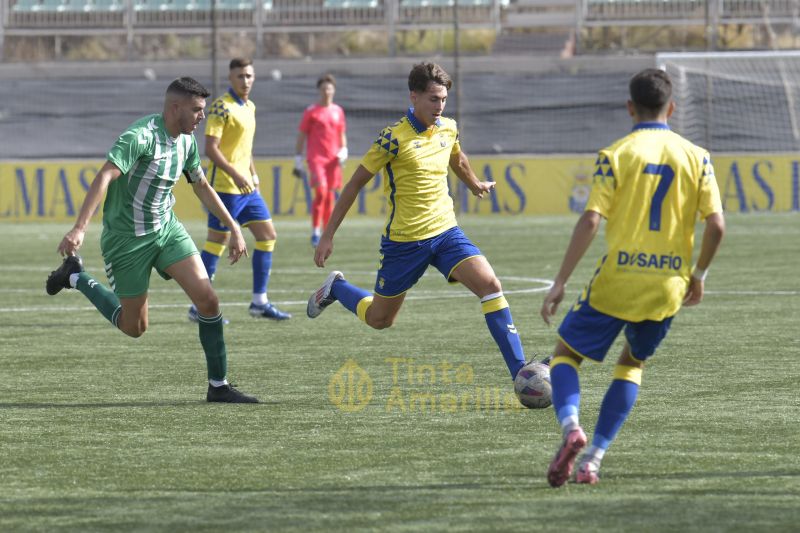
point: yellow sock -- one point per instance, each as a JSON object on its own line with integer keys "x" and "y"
{"x": 265, "y": 246}
{"x": 361, "y": 309}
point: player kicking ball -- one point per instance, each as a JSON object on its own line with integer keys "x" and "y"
{"x": 650, "y": 186}
{"x": 141, "y": 232}
{"x": 421, "y": 229}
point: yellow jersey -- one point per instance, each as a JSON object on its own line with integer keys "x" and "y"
{"x": 650, "y": 185}
{"x": 415, "y": 160}
{"x": 233, "y": 122}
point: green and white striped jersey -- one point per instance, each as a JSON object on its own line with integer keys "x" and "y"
{"x": 140, "y": 201}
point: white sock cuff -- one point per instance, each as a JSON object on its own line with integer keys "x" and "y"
{"x": 73, "y": 280}
{"x": 218, "y": 383}
{"x": 491, "y": 296}
{"x": 595, "y": 454}
{"x": 570, "y": 423}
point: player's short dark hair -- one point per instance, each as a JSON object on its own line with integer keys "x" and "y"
{"x": 424, "y": 73}
{"x": 651, "y": 91}
{"x": 187, "y": 87}
{"x": 326, "y": 78}
{"x": 240, "y": 62}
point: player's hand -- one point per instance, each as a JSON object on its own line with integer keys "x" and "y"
{"x": 243, "y": 184}
{"x": 694, "y": 293}
{"x": 551, "y": 301}
{"x": 237, "y": 247}
{"x": 342, "y": 155}
{"x": 323, "y": 250}
{"x": 297, "y": 171}
{"x": 71, "y": 242}
{"x": 483, "y": 188}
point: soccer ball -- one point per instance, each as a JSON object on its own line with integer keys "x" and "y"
{"x": 532, "y": 386}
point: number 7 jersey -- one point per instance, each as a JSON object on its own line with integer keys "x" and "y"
{"x": 650, "y": 185}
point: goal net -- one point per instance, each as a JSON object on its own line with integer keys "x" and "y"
{"x": 736, "y": 101}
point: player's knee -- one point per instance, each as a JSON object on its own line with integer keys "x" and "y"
{"x": 134, "y": 330}
{"x": 218, "y": 237}
{"x": 493, "y": 285}
{"x": 208, "y": 304}
{"x": 264, "y": 232}
{"x": 139, "y": 331}
{"x": 380, "y": 322}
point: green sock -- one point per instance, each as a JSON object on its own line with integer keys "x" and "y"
{"x": 101, "y": 297}
{"x": 213, "y": 342}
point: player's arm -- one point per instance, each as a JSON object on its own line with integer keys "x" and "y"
{"x": 297, "y": 171}
{"x": 253, "y": 173}
{"x": 349, "y": 194}
{"x": 300, "y": 143}
{"x": 582, "y": 237}
{"x": 342, "y": 153}
{"x": 203, "y": 190}
{"x": 216, "y": 156}
{"x": 460, "y": 165}
{"x": 712, "y": 237}
{"x": 73, "y": 240}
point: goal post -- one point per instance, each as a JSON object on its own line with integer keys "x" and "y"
{"x": 736, "y": 101}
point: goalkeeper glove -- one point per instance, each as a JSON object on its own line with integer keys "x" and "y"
{"x": 297, "y": 171}
{"x": 342, "y": 155}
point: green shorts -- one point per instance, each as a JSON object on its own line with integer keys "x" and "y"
{"x": 129, "y": 259}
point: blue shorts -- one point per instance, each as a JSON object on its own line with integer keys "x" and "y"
{"x": 244, "y": 208}
{"x": 403, "y": 263}
{"x": 590, "y": 333}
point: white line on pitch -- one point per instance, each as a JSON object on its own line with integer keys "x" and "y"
{"x": 416, "y": 295}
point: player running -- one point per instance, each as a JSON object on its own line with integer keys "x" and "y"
{"x": 650, "y": 186}
{"x": 141, "y": 232}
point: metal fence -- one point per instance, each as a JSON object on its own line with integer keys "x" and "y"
{"x": 712, "y": 12}
{"x": 260, "y": 18}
